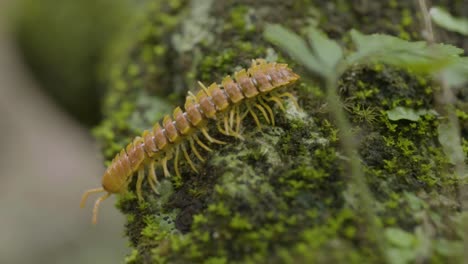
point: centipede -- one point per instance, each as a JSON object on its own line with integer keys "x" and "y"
{"x": 223, "y": 107}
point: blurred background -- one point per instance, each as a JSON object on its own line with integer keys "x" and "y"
{"x": 50, "y": 90}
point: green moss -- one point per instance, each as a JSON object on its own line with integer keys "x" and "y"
{"x": 239, "y": 19}
{"x": 133, "y": 257}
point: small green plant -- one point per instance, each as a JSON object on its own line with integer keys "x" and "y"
{"x": 326, "y": 59}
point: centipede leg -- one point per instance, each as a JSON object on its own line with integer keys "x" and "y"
{"x": 141, "y": 176}
{"x": 264, "y": 113}
{"x": 194, "y": 150}
{"x": 238, "y": 120}
{"x": 226, "y": 124}
{"x": 268, "y": 108}
{"x": 176, "y": 162}
{"x": 277, "y": 101}
{"x": 220, "y": 129}
{"x": 229, "y": 124}
{"x": 96, "y": 206}
{"x": 87, "y": 193}
{"x": 207, "y": 136}
{"x": 187, "y": 157}
{"x": 153, "y": 179}
{"x": 201, "y": 144}
{"x": 164, "y": 165}
{"x": 244, "y": 115}
{"x": 291, "y": 97}
{"x": 255, "y": 117}
{"x": 232, "y": 113}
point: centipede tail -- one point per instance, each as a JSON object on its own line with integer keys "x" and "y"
{"x": 248, "y": 93}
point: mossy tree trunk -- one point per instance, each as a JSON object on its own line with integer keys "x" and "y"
{"x": 283, "y": 194}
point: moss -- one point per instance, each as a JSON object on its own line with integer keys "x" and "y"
{"x": 282, "y": 195}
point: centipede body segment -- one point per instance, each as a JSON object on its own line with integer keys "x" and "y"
{"x": 249, "y": 92}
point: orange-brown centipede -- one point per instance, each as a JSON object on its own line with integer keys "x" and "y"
{"x": 228, "y": 103}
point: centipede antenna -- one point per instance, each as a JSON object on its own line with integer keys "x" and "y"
{"x": 87, "y": 193}
{"x": 96, "y": 206}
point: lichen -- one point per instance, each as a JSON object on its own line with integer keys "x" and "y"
{"x": 283, "y": 195}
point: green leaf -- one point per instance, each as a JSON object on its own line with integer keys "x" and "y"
{"x": 445, "y": 20}
{"x": 326, "y": 50}
{"x": 449, "y": 248}
{"x": 321, "y": 57}
{"x": 294, "y": 45}
{"x": 418, "y": 56}
{"x": 456, "y": 74}
{"x": 450, "y": 144}
{"x": 400, "y": 256}
{"x": 399, "y": 113}
{"x": 399, "y": 237}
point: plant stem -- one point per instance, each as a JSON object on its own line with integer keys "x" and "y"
{"x": 356, "y": 177}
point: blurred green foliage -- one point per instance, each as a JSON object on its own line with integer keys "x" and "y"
{"x": 445, "y": 20}
{"x": 404, "y": 113}
{"x": 63, "y": 42}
